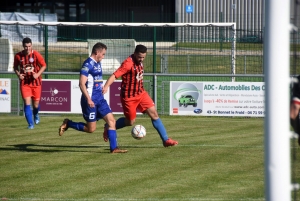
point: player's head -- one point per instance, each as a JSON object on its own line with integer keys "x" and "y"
{"x": 27, "y": 45}
{"x": 140, "y": 49}
{"x": 26, "y": 40}
{"x": 140, "y": 53}
{"x": 98, "y": 47}
{"x": 98, "y": 51}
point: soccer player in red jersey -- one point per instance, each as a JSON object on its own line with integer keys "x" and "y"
{"x": 133, "y": 95}
{"x": 29, "y": 66}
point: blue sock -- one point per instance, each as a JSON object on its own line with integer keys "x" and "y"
{"x": 159, "y": 126}
{"x": 36, "y": 110}
{"x": 28, "y": 114}
{"x": 76, "y": 125}
{"x": 120, "y": 123}
{"x": 112, "y": 136}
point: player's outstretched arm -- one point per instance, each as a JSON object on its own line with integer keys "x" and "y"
{"x": 110, "y": 80}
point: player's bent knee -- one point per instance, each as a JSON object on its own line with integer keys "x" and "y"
{"x": 91, "y": 129}
{"x": 111, "y": 123}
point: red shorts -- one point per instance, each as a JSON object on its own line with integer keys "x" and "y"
{"x": 141, "y": 102}
{"x": 31, "y": 91}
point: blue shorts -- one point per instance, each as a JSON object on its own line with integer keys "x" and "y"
{"x": 92, "y": 114}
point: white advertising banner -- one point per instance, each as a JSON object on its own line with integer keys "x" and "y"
{"x": 217, "y": 98}
{"x": 5, "y": 95}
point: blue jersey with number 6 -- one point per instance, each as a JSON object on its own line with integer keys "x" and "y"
{"x": 93, "y": 71}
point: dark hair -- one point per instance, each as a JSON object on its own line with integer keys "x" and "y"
{"x": 98, "y": 46}
{"x": 26, "y": 40}
{"x": 140, "y": 49}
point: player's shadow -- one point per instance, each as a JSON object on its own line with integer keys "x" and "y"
{"x": 54, "y": 148}
{"x": 46, "y": 148}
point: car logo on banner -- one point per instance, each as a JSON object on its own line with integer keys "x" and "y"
{"x": 197, "y": 111}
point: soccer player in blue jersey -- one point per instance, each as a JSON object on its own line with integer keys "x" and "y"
{"x": 93, "y": 104}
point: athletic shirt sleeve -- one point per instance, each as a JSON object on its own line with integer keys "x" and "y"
{"x": 124, "y": 68}
{"x": 17, "y": 60}
{"x": 40, "y": 59}
{"x": 85, "y": 68}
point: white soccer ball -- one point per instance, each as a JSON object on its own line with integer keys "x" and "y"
{"x": 138, "y": 132}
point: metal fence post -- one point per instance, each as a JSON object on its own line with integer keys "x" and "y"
{"x": 154, "y": 62}
{"x": 245, "y": 65}
{"x": 46, "y": 49}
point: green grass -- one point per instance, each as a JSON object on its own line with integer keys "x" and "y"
{"x": 240, "y": 46}
{"x": 221, "y": 45}
{"x": 216, "y": 159}
{"x": 66, "y": 62}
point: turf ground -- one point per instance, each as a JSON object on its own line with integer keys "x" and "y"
{"x": 216, "y": 159}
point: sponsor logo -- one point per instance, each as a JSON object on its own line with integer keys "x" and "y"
{"x": 4, "y": 92}
{"x": 175, "y": 110}
{"x": 85, "y": 69}
{"x": 197, "y": 111}
{"x": 56, "y": 96}
{"x": 97, "y": 68}
{"x": 139, "y": 75}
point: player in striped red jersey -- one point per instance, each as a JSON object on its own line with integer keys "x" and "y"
{"x": 133, "y": 95}
{"x": 29, "y": 66}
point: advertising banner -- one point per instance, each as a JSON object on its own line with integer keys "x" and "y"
{"x": 61, "y": 96}
{"x": 217, "y": 98}
{"x": 56, "y": 96}
{"x": 5, "y": 95}
{"x": 114, "y": 99}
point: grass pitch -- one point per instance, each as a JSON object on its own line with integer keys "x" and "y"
{"x": 216, "y": 159}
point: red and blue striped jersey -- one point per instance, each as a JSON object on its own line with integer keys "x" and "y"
{"x": 28, "y": 65}
{"x": 132, "y": 78}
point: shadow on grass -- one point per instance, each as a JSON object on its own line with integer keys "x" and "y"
{"x": 63, "y": 148}
{"x": 51, "y": 148}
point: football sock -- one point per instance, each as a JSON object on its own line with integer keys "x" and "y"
{"x": 112, "y": 136}
{"x": 76, "y": 125}
{"x": 159, "y": 126}
{"x": 120, "y": 123}
{"x": 36, "y": 110}
{"x": 28, "y": 114}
